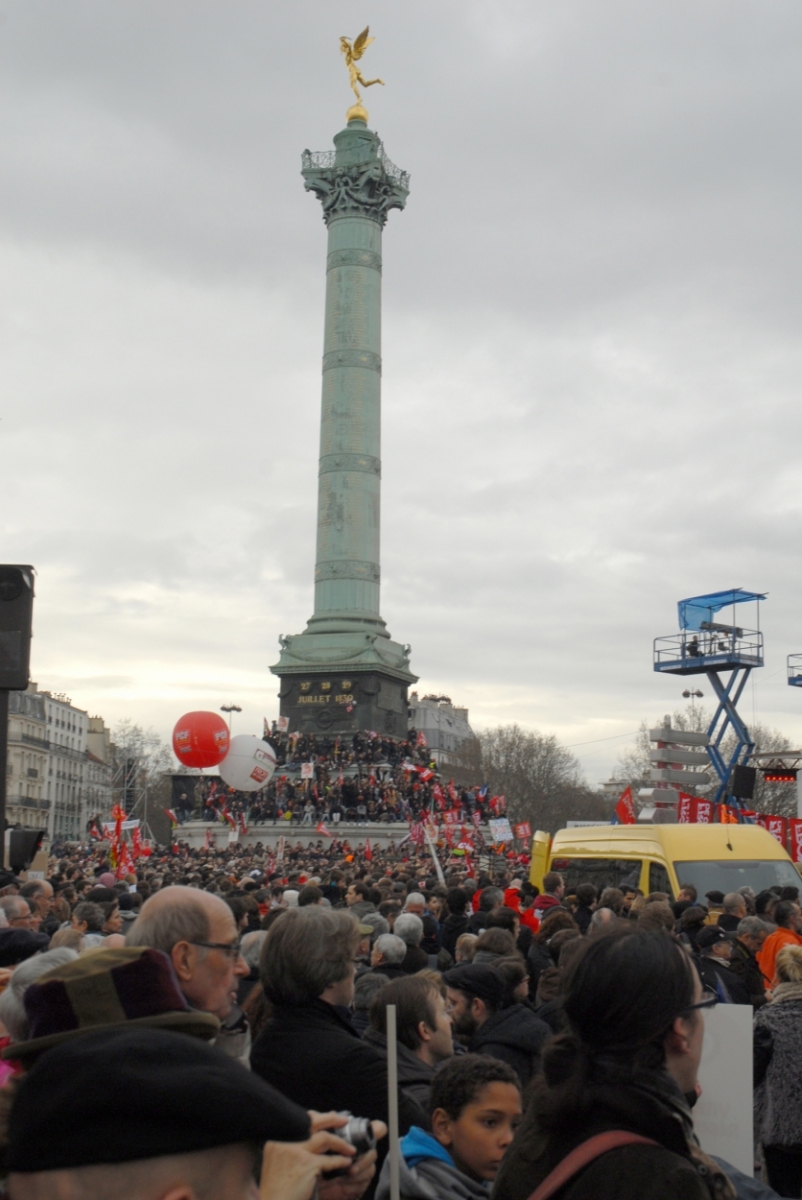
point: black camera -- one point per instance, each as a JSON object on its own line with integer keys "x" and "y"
{"x": 358, "y": 1132}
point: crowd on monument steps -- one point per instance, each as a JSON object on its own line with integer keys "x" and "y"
{"x": 215, "y": 1025}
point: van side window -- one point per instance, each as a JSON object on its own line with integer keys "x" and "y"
{"x": 601, "y": 872}
{"x": 658, "y": 879}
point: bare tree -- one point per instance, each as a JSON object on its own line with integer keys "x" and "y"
{"x": 139, "y": 762}
{"x": 777, "y": 798}
{"x": 541, "y": 780}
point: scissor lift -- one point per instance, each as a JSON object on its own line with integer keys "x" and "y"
{"x": 795, "y": 670}
{"x": 706, "y": 646}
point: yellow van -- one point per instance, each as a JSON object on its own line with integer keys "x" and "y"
{"x": 661, "y": 858}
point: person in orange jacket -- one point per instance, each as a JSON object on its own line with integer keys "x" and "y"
{"x": 788, "y": 918}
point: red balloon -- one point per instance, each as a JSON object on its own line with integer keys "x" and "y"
{"x": 200, "y": 739}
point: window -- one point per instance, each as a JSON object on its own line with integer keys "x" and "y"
{"x": 733, "y": 873}
{"x": 601, "y": 872}
{"x": 659, "y": 880}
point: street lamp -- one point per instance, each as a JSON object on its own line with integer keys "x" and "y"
{"x": 230, "y": 708}
{"x": 692, "y": 695}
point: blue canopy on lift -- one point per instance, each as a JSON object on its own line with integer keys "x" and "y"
{"x": 696, "y": 609}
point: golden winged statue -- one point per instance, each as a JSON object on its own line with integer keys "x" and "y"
{"x": 353, "y": 53}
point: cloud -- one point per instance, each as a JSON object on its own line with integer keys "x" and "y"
{"x": 591, "y": 360}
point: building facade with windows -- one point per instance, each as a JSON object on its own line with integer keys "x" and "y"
{"x": 67, "y": 767}
{"x": 445, "y": 727}
{"x": 99, "y": 770}
{"x": 27, "y": 803}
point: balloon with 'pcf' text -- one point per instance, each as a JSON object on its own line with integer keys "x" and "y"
{"x": 249, "y": 764}
{"x": 201, "y": 739}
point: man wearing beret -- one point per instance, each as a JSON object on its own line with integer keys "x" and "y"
{"x": 144, "y": 1114}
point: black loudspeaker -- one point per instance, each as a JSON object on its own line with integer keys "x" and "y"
{"x": 22, "y": 847}
{"x": 16, "y": 616}
{"x": 742, "y": 782}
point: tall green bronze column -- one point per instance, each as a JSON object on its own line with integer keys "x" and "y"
{"x": 344, "y": 672}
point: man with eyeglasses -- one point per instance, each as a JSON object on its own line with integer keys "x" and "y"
{"x": 715, "y": 953}
{"x": 198, "y": 933}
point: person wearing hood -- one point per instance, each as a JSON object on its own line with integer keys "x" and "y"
{"x": 475, "y": 1107}
{"x": 493, "y": 1022}
{"x": 423, "y": 1032}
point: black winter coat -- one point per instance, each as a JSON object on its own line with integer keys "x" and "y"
{"x": 712, "y": 971}
{"x": 453, "y": 927}
{"x": 316, "y": 1058}
{"x": 744, "y": 964}
{"x": 515, "y": 1035}
{"x": 674, "y": 1169}
{"x": 414, "y": 1076}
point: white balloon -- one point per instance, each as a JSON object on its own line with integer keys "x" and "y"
{"x": 249, "y": 764}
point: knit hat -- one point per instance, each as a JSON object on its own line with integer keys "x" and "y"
{"x": 134, "y": 1094}
{"x": 477, "y": 980}
{"x": 130, "y": 985}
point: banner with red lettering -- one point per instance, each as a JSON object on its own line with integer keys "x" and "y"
{"x": 523, "y": 830}
{"x": 795, "y": 825}
{"x": 625, "y": 808}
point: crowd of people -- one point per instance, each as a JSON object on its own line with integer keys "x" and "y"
{"x": 216, "y": 1025}
{"x": 356, "y": 778}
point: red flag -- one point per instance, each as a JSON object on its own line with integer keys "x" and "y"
{"x": 796, "y": 839}
{"x": 321, "y": 828}
{"x": 209, "y": 839}
{"x": 421, "y": 739}
{"x": 625, "y": 808}
{"x": 523, "y": 830}
{"x": 368, "y": 851}
{"x": 125, "y": 866}
{"x": 372, "y": 780}
{"x": 136, "y": 843}
{"x": 452, "y": 791}
{"x": 172, "y": 816}
{"x": 416, "y": 834}
{"x": 692, "y": 810}
{"x": 95, "y": 832}
{"x": 451, "y": 817}
{"x": 439, "y": 796}
{"x": 228, "y": 817}
{"x": 242, "y": 826}
{"x": 425, "y": 774}
{"x": 118, "y": 813}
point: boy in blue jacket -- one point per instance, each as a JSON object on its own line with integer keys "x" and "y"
{"x": 475, "y": 1107}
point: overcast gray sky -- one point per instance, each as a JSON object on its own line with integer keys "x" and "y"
{"x": 592, "y": 359}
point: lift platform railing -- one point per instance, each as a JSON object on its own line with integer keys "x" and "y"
{"x": 795, "y": 670}
{"x": 714, "y": 647}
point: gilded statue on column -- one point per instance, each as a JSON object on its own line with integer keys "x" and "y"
{"x": 353, "y": 53}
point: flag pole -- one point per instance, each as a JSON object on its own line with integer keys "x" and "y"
{"x": 438, "y": 869}
{"x": 392, "y": 1104}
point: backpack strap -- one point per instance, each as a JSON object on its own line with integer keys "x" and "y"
{"x": 584, "y": 1154}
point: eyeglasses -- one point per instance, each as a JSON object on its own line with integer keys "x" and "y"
{"x": 710, "y": 1001}
{"x": 232, "y": 949}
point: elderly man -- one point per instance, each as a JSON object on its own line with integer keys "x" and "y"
{"x": 715, "y": 954}
{"x": 198, "y": 933}
{"x": 388, "y": 956}
{"x": 409, "y": 928}
{"x": 39, "y": 894}
{"x": 734, "y": 912}
{"x": 750, "y": 936}
{"x": 18, "y": 913}
{"x": 415, "y": 904}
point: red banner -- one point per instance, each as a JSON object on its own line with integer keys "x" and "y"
{"x": 776, "y": 826}
{"x": 523, "y": 830}
{"x": 796, "y": 839}
{"x": 451, "y": 816}
{"x": 625, "y": 808}
{"x": 692, "y": 810}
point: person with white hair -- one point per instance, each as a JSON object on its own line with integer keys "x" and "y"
{"x": 409, "y": 928}
{"x": 290, "y": 898}
{"x": 12, "y": 1007}
{"x": 388, "y": 956}
{"x": 415, "y": 903}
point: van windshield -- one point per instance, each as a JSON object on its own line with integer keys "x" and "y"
{"x": 731, "y": 874}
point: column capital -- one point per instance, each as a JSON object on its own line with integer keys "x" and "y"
{"x": 357, "y": 179}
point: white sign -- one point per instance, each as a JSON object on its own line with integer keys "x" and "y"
{"x": 112, "y": 825}
{"x": 307, "y": 770}
{"x": 500, "y": 830}
{"x": 722, "y": 1116}
{"x": 283, "y": 724}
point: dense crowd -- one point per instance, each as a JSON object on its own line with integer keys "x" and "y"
{"x": 216, "y": 1025}
{"x": 357, "y": 778}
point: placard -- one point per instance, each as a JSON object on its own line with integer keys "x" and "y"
{"x": 500, "y": 829}
{"x": 723, "y": 1114}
